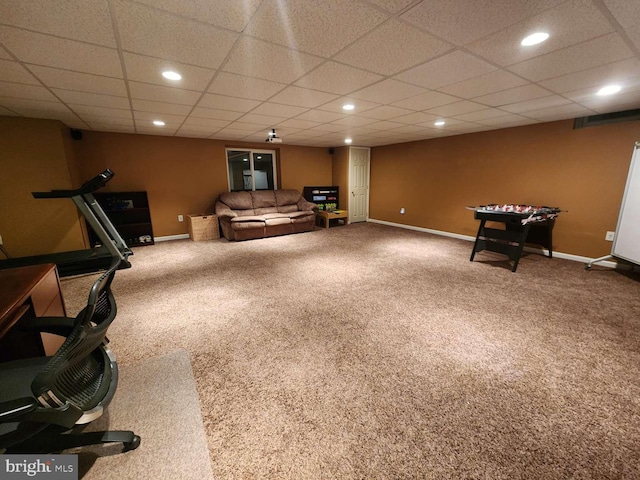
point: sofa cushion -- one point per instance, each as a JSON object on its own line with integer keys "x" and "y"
{"x": 278, "y": 221}
{"x": 288, "y": 208}
{"x": 268, "y": 216}
{"x": 247, "y": 225}
{"x": 266, "y": 210}
{"x": 263, "y": 199}
{"x": 237, "y": 200}
{"x": 287, "y": 197}
{"x": 302, "y": 213}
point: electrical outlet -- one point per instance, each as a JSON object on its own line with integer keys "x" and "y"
{"x": 180, "y": 218}
{"x": 609, "y": 236}
{"x": 0, "y": 239}
{"x": 402, "y": 211}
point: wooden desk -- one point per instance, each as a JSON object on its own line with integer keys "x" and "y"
{"x": 335, "y": 216}
{"x": 27, "y": 292}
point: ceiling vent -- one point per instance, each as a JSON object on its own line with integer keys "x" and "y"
{"x": 607, "y": 118}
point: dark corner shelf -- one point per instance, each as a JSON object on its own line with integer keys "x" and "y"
{"x": 130, "y": 215}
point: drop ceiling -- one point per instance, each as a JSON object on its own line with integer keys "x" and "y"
{"x": 249, "y": 66}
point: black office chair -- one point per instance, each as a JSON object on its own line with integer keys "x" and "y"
{"x": 46, "y": 401}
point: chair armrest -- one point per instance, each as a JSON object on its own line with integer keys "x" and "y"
{"x": 14, "y": 409}
{"x": 224, "y": 211}
{"x": 305, "y": 205}
{"x": 56, "y": 325}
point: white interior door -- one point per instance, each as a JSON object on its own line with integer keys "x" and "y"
{"x": 358, "y": 184}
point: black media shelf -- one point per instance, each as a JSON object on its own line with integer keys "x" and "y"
{"x": 130, "y": 215}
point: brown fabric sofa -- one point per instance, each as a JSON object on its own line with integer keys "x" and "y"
{"x": 264, "y": 213}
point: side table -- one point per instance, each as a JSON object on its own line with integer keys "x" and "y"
{"x": 337, "y": 217}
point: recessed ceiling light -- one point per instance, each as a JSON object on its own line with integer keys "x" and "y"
{"x": 609, "y": 90}
{"x": 439, "y": 123}
{"x": 348, "y": 106}
{"x": 245, "y": 159}
{"x": 534, "y": 39}
{"x": 158, "y": 123}
{"x": 171, "y": 75}
{"x": 348, "y": 141}
{"x": 259, "y": 157}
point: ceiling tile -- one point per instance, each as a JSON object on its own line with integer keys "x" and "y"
{"x": 385, "y": 112}
{"x": 152, "y": 32}
{"x": 185, "y": 132}
{"x": 229, "y": 134}
{"x": 616, "y": 72}
{"x": 94, "y": 99}
{"x": 337, "y": 78}
{"x": 246, "y": 87}
{"x": 14, "y": 72}
{"x": 298, "y": 123}
{"x": 302, "y": 97}
{"x": 626, "y": 12}
{"x": 38, "y": 49}
{"x": 393, "y": 6}
{"x": 588, "y": 97}
{"x": 93, "y": 111}
{"x": 457, "y": 108}
{"x": 84, "y": 20}
{"x": 484, "y": 84}
{"x": 506, "y": 119}
{"x": 149, "y": 70}
{"x": 162, "y": 131}
{"x": 384, "y": 125}
{"x": 102, "y": 121}
{"x": 354, "y": 121}
{"x": 149, "y": 117}
{"x": 144, "y": 91}
{"x": 266, "y": 120}
{"x": 23, "y": 104}
{"x": 222, "y": 13}
{"x": 321, "y": 28}
{"x": 215, "y": 114}
{"x": 81, "y": 82}
{"x": 560, "y": 112}
{"x": 199, "y": 124}
{"x": 336, "y": 105}
{"x": 392, "y": 47}
{"x": 160, "y": 107}
{"x": 451, "y": 68}
{"x": 20, "y": 90}
{"x": 415, "y": 118}
{"x": 320, "y": 116}
{"x": 592, "y": 53}
{"x": 7, "y": 113}
{"x": 426, "y": 101}
{"x": 514, "y": 95}
{"x": 536, "y": 104}
{"x": 222, "y": 102}
{"x": 461, "y": 22}
{"x": 570, "y": 23}
{"x": 388, "y": 91}
{"x": 255, "y": 58}
{"x": 247, "y": 128}
{"x": 481, "y": 114}
{"x": 114, "y": 128}
{"x": 4, "y": 55}
{"x": 278, "y": 110}
{"x": 407, "y": 129}
{"x": 328, "y": 128}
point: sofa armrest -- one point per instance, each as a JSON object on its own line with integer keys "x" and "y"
{"x": 223, "y": 210}
{"x": 305, "y": 205}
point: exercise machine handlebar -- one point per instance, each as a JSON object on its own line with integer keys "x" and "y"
{"x": 89, "y": 186}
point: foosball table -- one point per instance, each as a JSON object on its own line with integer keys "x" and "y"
{"x": 523, "y": 224}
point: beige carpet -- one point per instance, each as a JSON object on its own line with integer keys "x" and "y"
{"x": 369, "y": 351}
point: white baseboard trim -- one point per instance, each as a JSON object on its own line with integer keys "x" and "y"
{"x": 566, "y": 256}
{"x": 167, "y": 238}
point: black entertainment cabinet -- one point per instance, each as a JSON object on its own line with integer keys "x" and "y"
{"x": 129, "y": 213}
{"x": 323, "y": 197}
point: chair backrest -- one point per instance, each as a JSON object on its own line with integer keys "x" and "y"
{"x": 79, "y": 371}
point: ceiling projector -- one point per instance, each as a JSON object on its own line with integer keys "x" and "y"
{"x": 273, "y": 138}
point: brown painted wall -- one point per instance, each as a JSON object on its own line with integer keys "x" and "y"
{"x": 582, "y": 171}
{"x": 340, "y": 175}
{"x": 185, "y": 175}
{"x": 33, "y": 158}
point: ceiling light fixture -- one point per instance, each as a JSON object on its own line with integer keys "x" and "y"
{"x": 534, "y": 39}
{"x": 171, "y": 75}
{"x": 348, "y": 106}
{"x": 158, "y": 123}
{"x": 348, "y": 141}
{"x": 609, "y": 90}
{"x": 439, "y": 123}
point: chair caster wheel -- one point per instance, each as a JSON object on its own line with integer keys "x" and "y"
{"x": 132, "y": 445}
